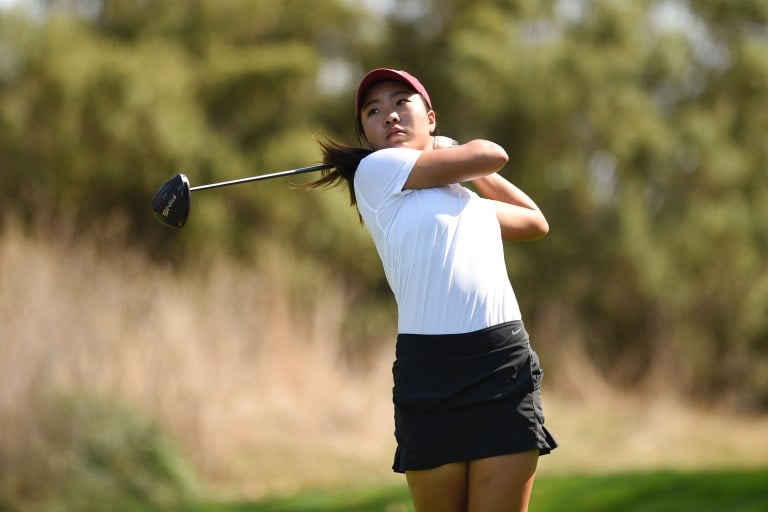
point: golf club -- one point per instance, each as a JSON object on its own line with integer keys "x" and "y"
{"x": 171, "y": 201}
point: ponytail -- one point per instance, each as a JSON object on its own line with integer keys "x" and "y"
{"x": 344, "y": 160}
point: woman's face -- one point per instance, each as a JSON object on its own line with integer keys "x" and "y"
{"x": 393, "y": 115}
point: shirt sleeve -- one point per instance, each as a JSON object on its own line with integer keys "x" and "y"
{"x": 382, "y": 175}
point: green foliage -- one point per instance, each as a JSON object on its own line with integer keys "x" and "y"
{"x": 662, "y": 491}
{"x": 91, "y": 454}
{"x": 638, "y": 126}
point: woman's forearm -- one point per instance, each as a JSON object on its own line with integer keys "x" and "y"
{"x": 496, "y": 187}
{"x": 519, "y": 216}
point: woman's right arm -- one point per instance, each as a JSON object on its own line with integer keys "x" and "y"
{"x": 457, "y": 164}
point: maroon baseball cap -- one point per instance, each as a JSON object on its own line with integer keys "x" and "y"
{"x": 384, "y": 74}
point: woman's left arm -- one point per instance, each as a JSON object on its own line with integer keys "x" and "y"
{"x": 520, "y": 218}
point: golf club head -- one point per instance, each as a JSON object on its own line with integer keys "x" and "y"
{"x": 171, "y": 202}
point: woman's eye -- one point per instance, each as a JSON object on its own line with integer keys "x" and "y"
{"x": 402, "y": 101}
{"x": 372, "y": 112}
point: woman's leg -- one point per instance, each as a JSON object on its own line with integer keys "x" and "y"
{"x": 441, "y": 489}
{"x": 503, "y": 483}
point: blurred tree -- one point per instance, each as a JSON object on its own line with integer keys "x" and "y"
{"x": 108, "y": 105}
{"x": 100, "y": 102}
{"x": 639, "y": 126}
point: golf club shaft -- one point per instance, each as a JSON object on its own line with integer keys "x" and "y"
{"x": 290, "y": 172}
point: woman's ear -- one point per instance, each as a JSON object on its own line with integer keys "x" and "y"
{"x": 432, "y": 116}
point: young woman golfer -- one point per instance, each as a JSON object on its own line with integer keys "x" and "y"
{"x": 468, "y": 418}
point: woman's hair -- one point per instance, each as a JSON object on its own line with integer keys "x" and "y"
{"x": 344, "y": 159}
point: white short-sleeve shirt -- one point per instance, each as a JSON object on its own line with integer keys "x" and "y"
{"x": 441, "y": 248}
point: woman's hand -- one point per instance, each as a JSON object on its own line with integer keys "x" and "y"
{"x": 442, "y": 142}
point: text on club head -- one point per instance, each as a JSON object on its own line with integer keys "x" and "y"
{"x": 168, "y": 206}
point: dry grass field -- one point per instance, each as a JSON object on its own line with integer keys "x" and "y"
{"x": 251, "y": 385}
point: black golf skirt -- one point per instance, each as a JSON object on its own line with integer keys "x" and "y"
{"x": 461, "y": 397}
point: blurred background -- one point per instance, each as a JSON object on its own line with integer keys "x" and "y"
{"x": 250, "y": 352}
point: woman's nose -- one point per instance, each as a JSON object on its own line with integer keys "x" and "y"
{"x": 392, "y": 118}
